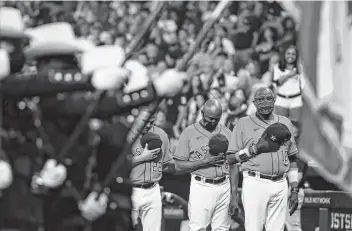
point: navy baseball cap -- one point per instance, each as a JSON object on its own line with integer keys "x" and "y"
{"x": 218, "y": 144}
{"x": 277, "y": 133}
{"x": 153, "y": 140}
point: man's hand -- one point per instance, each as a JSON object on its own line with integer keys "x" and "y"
{"x": 149, "y": 155}
{"x": 234, "y": 207}
{"x": 53, "y": 174}
{"x": 215, "y": 160}
{"x": 293, "y": 201}
{"x": 264, "y": 146}
{"x": 93, "y": 206}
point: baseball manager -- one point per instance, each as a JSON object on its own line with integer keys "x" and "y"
{"x": 262, "y": 145}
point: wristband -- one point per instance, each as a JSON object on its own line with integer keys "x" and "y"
{"x": 295, "y": 189}
{"x": 292, "y": 175}
{"x": 243, "y": 155}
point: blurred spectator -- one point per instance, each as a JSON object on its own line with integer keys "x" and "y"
{"x": 267, "y": 76}
{"x": 289, "y": 83}
{"x": 237, "y": 108}
{"x": 194, "y": 108}
{"x": 238, "y": 55}
{"x": 289, "y": 33}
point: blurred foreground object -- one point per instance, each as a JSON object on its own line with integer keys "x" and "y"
{"x": 327, "y": 115}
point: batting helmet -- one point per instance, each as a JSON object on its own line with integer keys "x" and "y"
{"x": 218, "y": 144}
{"x": 277, "y": 133}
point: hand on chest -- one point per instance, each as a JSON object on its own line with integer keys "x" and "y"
{"x": 137, "y": 148}
{"x": 252, "y": 136}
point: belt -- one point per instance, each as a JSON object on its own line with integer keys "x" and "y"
{"x": 267, "y": 177}
{"x": 145, "y": 186}
{"x": 210, "y": 181}
{"x": 289, "y": 96}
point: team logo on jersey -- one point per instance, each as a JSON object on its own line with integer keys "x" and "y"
{"x": 199, "y": 153}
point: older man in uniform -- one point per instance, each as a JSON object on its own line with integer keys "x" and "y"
{"x": 265, "y": 167}
{"x": 210, "y": 187}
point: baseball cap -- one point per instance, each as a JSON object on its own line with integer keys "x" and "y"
{"x": 277, "y": 133}
{"x": 152, "y": 139}
{"x": 218, "y": 144}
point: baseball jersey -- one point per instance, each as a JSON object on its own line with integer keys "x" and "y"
{"x": 193, "y": 146}
{"x": 151, "y": 172}
{"x": 248, "y": 131}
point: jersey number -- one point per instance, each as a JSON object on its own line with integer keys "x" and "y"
{"x": 284, "y": 156}
{"x": 157, "y": 167}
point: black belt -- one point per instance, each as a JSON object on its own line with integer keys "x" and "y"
{"x": 211, "y": 181}
{"x": 145, "y": 186}
{"x": 289, "y": 96}
{"x": 267, "y": 177}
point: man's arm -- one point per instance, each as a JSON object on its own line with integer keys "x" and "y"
{"x": 293, "y": 176}
{"x": 168, "y": 162}
{"x": 113, "y": 104}
{"x": 182, "y": 154}
{"x": 234, "y": 179}
{"x": 186, "y": 166}
{"x": 137, "y": 160}
{"x": 40, "y": 86}
{"x": 236, "y": 148}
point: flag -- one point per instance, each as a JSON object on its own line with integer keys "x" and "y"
{"x": 325, "y": 44}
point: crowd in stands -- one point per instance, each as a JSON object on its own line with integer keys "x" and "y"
{"x": 236, "y": 58}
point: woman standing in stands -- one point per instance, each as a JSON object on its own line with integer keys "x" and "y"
{"x": 288, "y": 81}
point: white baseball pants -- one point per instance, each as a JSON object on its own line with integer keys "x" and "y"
{"x": 147, "y": 205}
{"x": 208, "y": 205}
{"x": 265, "y": 203}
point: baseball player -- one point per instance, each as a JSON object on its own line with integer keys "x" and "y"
{"x": 210, "y": 187}
{"x": 265, "y": 164}
{"x": 147, "y": 168}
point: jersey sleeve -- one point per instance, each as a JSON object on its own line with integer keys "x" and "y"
{"x": 182, "y": 149}
{"x": 167, "y": 157}
{"x": 292, "y": 148}
{"x": 226, "y": 132}
{"x": 236, "y": 140}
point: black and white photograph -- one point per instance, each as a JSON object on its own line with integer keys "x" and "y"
{"x": 176, "y": 115}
